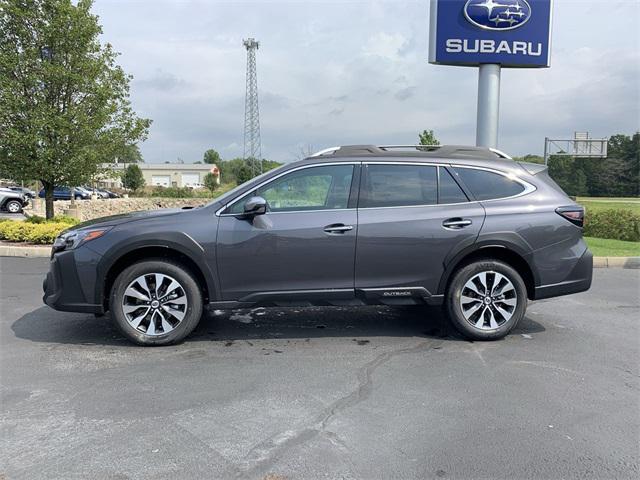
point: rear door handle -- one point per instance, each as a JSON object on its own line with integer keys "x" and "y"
{"x": 456, "y": 223}
{"x": 338, "y": 228}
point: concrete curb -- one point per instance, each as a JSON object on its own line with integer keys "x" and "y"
{"x": 616, "y": 262}
{"x": 35, "y": 251}
{"x": 31, "y": 251}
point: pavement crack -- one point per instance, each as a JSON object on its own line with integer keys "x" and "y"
{"x": 263, "y": 455}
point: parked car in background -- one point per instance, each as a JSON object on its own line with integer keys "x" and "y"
{"x": 111, "y": 194}
{"x": 24, "y": 190}
{"x": 64, "y": 193}
{"x": 12, "y": 201}
{"x": 95, "y": 191}
{"x": 467, "y": 228}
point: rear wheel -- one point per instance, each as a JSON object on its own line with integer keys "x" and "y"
{"x": 486, "y": 299}
{"x": 156, "y": 302}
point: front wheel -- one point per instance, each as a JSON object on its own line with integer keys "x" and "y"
{"x": 486, "y": 299}
{"x": 13, "y": 206}
{"x": 156, "y": 302}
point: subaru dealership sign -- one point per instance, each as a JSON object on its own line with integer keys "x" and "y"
{"x": 510, "y": 33}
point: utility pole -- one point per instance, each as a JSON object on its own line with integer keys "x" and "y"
{"x": 252, "y": 147}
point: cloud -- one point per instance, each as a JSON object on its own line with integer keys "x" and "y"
{"x": 336, "y": 72}
{"x": 163, "y": 81}
{"x": 385, "y": 45}
{"x": 405, "y": 93}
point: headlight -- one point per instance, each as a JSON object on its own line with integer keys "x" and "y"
{"x": 74, "y": 238}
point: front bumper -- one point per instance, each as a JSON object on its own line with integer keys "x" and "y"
{"x": 63, "y": 289}
{"x": 578, "y": 280}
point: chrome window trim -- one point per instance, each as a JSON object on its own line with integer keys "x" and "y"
{"x": 528, "y": 188}
{"x": 302, "y": 167}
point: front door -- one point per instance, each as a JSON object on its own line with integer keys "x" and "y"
{"x": 306, "y": 240}
{"x": 410, "y": 218}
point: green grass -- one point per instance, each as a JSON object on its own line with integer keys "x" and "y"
{"x": 605, "y": 203}
{"x": 604, "y": 247}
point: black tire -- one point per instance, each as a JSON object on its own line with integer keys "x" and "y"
{"x": 454, "y": 306}
{"x": 13, "y": 206}
{"x": 192, "y": 311}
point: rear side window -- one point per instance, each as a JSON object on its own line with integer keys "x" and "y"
{"x": 487, "y": 185}
{"x": 450, "y": 191}
{"x": 399, "y": 185}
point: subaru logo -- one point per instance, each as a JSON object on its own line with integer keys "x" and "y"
{"x": 497, "y": 14}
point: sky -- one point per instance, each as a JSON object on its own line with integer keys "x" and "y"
{"x": 354, "y": 72}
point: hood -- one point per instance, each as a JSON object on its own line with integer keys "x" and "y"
{"x": 114, "y": 220}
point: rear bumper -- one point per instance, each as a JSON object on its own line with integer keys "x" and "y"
{"x": 578, "y": 280}
{"x": 62, "y": 287}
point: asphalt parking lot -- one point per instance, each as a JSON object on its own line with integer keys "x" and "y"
{"x": 314, "y": 393}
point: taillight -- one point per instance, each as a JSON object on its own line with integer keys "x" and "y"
{"x": 574, "y": 213}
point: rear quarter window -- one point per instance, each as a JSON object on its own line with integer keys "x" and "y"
{"x": 486, "y": 185}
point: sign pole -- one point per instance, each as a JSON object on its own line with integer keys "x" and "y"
{"x": 488, "y": 105}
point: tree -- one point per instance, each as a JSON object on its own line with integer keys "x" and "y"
{"x": 211, "y": 182}
{"x": 244, "y": 173}
{"x": 211, "y": 156}
{"x": 132, "y": 178}
{"x": 427, "y": 137}
{"x": 571, "y": 179}
{"x": 530, "y": 158}
{"x": 130, "y": 154}
{"x": 64, "y": 102}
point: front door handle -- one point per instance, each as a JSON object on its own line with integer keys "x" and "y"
{"x": 338, "y": 228}
{"x": 456, "y": 223}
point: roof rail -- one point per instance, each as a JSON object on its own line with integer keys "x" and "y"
{"x": 326, "y": 151}
{"x": 421, "y": 148}
{"x": 501, "y": 154}
{"x": 445, "y": 151}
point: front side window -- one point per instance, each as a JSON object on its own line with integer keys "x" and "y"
{"x": 487, "y": 185}
{"x": 313, "y": 188}
{"x": 399, "y": 185}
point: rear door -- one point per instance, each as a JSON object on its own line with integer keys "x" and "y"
{"x": 411, "y": 216}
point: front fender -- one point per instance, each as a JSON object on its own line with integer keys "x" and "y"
{"x": 179, "y": 242}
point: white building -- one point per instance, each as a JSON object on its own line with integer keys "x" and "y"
{"x": 163, "y": 174}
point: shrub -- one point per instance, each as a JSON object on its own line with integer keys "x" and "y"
{"x": 211, "y": 182}
{"x": 57, "y": 219}
{"x": 616, "y": 224}
{"x": 132, "y": 178}
{"x": 172, "y": 192}
{"x": 39, "y": 233}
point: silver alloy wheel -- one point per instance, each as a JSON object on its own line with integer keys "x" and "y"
{"x": 14, "y": 206}
{"x": 154, "y": 303}
{"x": 488, "y": 300}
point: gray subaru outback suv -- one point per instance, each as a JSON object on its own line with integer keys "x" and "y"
{"x": 463, "y": 227}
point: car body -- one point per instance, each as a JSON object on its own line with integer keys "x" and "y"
{"x": 12, "y": 201}
{"x": 27, "y": 192}
{"x": 110, "y": 194}
{"x": 464, "y": 227}
{"x": 94, "y": 191}
{"x": 64, "y": 193}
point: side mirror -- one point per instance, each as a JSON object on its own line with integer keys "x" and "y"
{"x": 255, "y": 206}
